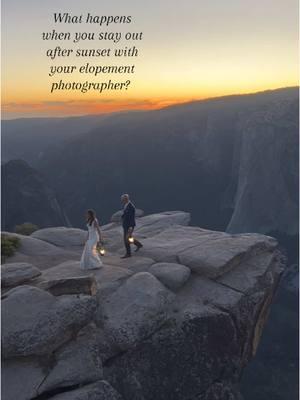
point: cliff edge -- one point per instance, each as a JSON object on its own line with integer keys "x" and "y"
{"x": 178, "y": 321}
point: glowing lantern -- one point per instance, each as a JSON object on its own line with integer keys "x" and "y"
{"x": 102, "y": 251}
{"x": 131, "y": 240}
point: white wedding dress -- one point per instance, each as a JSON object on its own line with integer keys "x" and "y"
{"x": 90, "y": 258}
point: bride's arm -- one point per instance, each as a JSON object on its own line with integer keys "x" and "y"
{"x": 98, "y": 229}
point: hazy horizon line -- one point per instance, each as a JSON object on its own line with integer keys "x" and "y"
{"x": 153, "y": 109}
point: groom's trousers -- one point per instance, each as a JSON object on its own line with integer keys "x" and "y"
{"x": 127, "y": 243}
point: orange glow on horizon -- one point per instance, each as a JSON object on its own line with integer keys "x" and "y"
{"x": 77, "y": 108}
{"x": 91, "y": 106}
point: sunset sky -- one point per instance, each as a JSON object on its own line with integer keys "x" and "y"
{"x": 191, "y": 50}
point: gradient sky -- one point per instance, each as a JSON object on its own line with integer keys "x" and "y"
{"x": 191, "y": 50}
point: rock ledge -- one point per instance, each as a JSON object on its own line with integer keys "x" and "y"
{"x": 179, "y": 320}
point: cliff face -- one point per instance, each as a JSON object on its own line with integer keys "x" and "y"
{"x": 180, "y": 320}
{"x": 232, "y": 161}
{"x": 27, "y": 198}
{"x": 264, "y": 178}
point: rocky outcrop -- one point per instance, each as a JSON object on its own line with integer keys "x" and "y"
{"x": 179, "y": 320}
{"x": 171, "y": 275}
{"x": 36, "y": 323}
{"x": 62, "y": 236}
{"x": 15, "y": 274}
{"x": 117, "y": 216}
{"x": 135, "y": 310}
{"x": 40, "y": 252}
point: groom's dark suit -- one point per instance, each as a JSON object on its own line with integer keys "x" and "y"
{"x": 128, "y": 221}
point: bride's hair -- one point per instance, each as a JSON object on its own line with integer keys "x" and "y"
{"x": 91, "y": 216}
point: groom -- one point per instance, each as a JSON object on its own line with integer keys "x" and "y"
{"x": 128, "y": 221}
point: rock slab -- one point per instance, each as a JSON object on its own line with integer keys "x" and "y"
{"x": 76, "y": 285}
{"x": 171, "y": 275}
{"x": 35, "y": 323}
{"x": 135, "y": 310}
{"x": 15, "y": 274}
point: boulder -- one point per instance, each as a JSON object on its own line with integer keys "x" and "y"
{"x": 117, "y": 216}
{"x": 61, "y": 236}
{"x": 219, "y": 255}
{"x": 21, "y": 378}
{"x": 38, "y": 252}
{"x": 155, "y": 223}
{"x": 32, "y": 246}
{"x": 43, "y": 262}
{"x": 200, "y": 292}
{"x": 15, "y": 274}
{"x": 36, "y": 323}
{"x": 106, "y": 277}
{"x": 107, "y": 349}
{"x": 76, "y": 285}
{"x": 181, "y": 359}
{"x": 168, "y": 243}
{"x": 135, "y": 310}
{"x": 67, "y": 269}
{"x": 135, "y": 263}
{"x": 206, "y": 252}
{"x": 252, "y": 274}
{"x": 101, "y": 390}
{"x": 77, "y": 363}
{"x": 170, "y": 274}
{"x": 110, "y": 276}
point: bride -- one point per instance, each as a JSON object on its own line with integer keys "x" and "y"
{"x": 90, "y": 258}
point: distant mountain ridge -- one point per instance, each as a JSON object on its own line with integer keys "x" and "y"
{"x": 30, "y": 138}
{"x": 232, "y": 161}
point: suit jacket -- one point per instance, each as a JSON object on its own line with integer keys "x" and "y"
{"x": 128, "y": 217}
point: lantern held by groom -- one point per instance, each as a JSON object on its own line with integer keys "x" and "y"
{"x": 128, "y": 222}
